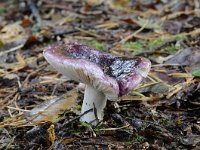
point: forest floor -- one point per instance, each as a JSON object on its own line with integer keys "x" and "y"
{"x": 40, "y": 108}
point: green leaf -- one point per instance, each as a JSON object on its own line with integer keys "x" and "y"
{"x": 87, "y": 125}
{"x": 196, "y": 73}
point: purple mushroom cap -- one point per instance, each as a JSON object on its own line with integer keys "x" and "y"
{"x": 111, "y": 74}
{"x": 106, "y": 76}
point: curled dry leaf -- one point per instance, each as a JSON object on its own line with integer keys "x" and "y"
{"x": 49, "y": 111}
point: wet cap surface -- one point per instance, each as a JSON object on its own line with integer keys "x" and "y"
{"x": 113, "y": 75}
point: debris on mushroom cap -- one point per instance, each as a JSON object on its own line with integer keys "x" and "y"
{"x": 111, "y": 74}
{"x": 129, "y": 72}
{"x": 143, "y": 66}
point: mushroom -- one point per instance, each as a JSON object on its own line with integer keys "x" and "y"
{"x": 106, "y": 76}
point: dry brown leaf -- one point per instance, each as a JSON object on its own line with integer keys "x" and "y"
{"x": 13, "y": 33}
{"x": 108, "y": 25}
{"x": 20, "y": 64}
{"x": 49, "y": 111}
{"x": 135, "y": 98}
{"x": 20, "y": 58}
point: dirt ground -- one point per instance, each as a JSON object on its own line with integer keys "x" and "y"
{"x": 40, "y": 108}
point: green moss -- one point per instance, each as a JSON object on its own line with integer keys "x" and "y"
{"x": 2, "y": 10}
{"x": 139, "y": 46}
{"x": 171, "y": 49}
{"x": 138, "y": 138}
{"x": 134, "y": 45}
{"x": 180, "y": 37}
{"x": 155, "y": 42}
{"x": 158, "y": 41}
{"x": 96, "y": 44}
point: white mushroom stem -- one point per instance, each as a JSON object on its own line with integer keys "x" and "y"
{"x": 95, "y": 100}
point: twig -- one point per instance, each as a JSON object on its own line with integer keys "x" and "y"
{"x": 35, "y": 12}
{"x": 181, "y": 75}
{"x": 90, "y": 143}
{"x": 25, "y": 83}
{"x": 11, "y": 50}
{"x": 73, "y": 119}
{"x": 176, "y": 14}
{"x": 19, "y": 109}
{"x": 95, "y": 113}
{"x": 135, "y": 33}
{"x": 108, "y": 129}
{"x": 163, "y": 65}
{"x": 88, "y": 32}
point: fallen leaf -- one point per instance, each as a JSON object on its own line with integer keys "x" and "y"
{"x": 191, "y": 140}
{"x": 13, "y": 33}
{"x": 49, "y": 111}
{"x": 180, "y": 57}
{"x": 189, "y": 57}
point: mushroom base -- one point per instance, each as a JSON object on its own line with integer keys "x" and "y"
{"x": 96, "y": 101}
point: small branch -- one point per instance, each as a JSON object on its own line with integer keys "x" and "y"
{"x": 18, "y": 109}
{"x": 35, "y": 12}
{"x": 133, "y": 34}
{"x": 73, "y": 119}
{"x": 95, "y": 113}
{"x": 91, "y": 143}
{"x": 11, "y": 50}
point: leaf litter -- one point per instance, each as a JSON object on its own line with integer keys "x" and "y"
{"x": 41, "y": 109}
